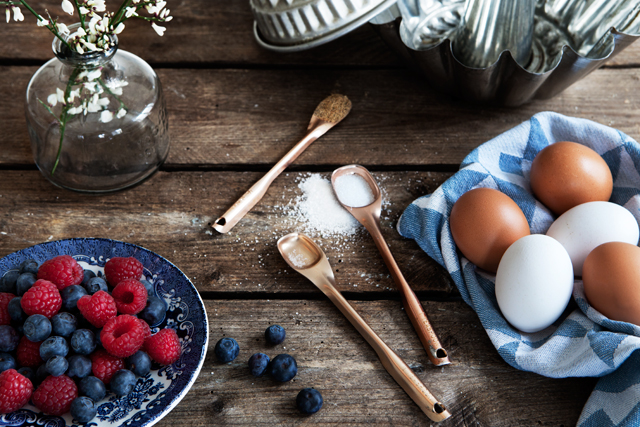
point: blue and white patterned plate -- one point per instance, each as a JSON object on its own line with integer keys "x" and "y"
{"x": 161, "y": 390}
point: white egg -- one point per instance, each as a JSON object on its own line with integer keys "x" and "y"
{"x": 534, "y": 282}
{"x": 584, "y": 227}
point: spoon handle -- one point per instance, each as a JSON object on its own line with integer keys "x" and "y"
{"x": 436, "y": 353}
{"x": 398, "y": 369}
{"x": 248, "y": 200}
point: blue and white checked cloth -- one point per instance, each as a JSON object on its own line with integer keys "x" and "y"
{"x": 582, "y": 342}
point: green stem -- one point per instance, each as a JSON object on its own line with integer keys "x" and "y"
{"x": 80, "y": 15}
{"x": 65, "y": 114}
{"x": 119, "y": 15}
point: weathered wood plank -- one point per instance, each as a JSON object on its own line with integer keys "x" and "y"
{"x": 479, "y": 388}
{"x": 237, "y": 117}
{"x": 170, "y": 213}
{"x": 217, "y": 32}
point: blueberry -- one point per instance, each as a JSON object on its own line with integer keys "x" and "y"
{"x": 275, "y": 334}
{"x": 70, "y": 296}
{"x": 309, "y": 401}
{"x": 226, "y": 350}
{"x": 15, "y": 310}
{"x": 8, "y": 281}
{"x": 7, "y": 362}
{"x": 79, "y": 366}
{"x": 258, "y": 364}
{"x": 24, "y": 283}
{"x": 88, "y": 274}
{"x": 96, "y": 284}
{"x": 83, "y": 409}
{"x": 93, "y": 388}
{"x": 37, "y": 328}
{"x": 63, "y": 324}
{"x": 28, "y": 372}
{"x": 57, "y": 365}
{"x": 83, "y": 341}
{"x": 154, "y": 311}
{"x": 122, "y": 382}
{"x": 139, "y": 363}
{"x": 9, "y": 338}
{"x": 29, "y": 266}
{"x": 53, "y": 346}
{"x": 149, "y": 287}
{"x": 283, "y": 368}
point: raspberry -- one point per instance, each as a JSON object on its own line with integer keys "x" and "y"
{"x": 146, "y": 328}
{"x": 62, "y": 271}
{"x": 104, "y": 365}
{"x": 122, "y": 336}
{"x": 5, "y": 297}
{"x": 97, "y": 308}
{"x": 42, "y": 298}
{"x": 28, "y": 353}
{"x": 15, "y": 391}
{"x": 164, "y": 346}
{"x": 118, "y": 269}
{"x": 130, "y": 296}
{"x": 55, "y": 394}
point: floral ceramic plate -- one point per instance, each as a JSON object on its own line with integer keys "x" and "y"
{"x": 161, "y": 390}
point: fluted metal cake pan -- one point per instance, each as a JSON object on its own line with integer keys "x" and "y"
{"x": 295, "y": 25}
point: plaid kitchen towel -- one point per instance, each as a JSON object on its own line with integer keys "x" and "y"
{"x": 582, "y": 342}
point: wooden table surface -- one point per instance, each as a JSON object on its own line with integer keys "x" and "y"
{"x": 234, "y": 110}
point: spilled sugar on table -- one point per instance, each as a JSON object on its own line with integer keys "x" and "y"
{"x": 234, "y": 110}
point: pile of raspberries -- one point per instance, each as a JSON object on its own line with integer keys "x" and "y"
{"x": 111, "y": 340}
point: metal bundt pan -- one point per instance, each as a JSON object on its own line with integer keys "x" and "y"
{"x": 571, "y": 38}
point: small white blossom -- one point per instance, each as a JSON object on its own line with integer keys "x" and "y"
{"x": 103, "y": 102}
{"x": 119, "y": 28}
{"x": 8, "y": 14}
{"x": 92, "y": 24}
{"x": 62, "y": 28}
{"x": 106, "y": 116}
{"x": 73, "y": 95}
{"x": 81, "y": 32}
{"x": 79, "y": 49}
{"x": 83, "y": 10}
{"x": 168, "y": 18}
{"x": 43, "y": 22}
{"x": 158, "y": 29}
{"x": 17, "y": 14}
{"x": 90, "y": 86}
{"x": 92, "y": 47}
{"x": 121, "y": 113}
{"x": 92, "y": 75}
{"x": 130, "y": 11}
{"x": 60, "y": 95}
{"x": 97, "y": 5}
{"x": 52, "y": 100}
{"x": 117, "y": 91}
{"x": 93, "y": 107}
{"x": 75, "y": 110}
{"x": 67, "y": 7}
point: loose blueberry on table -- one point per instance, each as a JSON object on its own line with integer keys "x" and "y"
{"x": 226, "y": 350}
{"x": 309, "y": 401}
{"x": 283, "y": 368}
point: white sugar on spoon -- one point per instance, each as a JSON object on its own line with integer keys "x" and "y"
{"x": 353, "y": 190}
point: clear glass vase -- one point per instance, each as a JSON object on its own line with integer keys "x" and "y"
{"x": 97, "y": 121}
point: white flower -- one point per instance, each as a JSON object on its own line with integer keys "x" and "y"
{"x": 92, "y": 75}
{"x": 158, "y": 29}
{"x": 8, "y": 14}
{"x": 93, "y": 107}
{"x": 17, "y": 14}
{"x": 60, "y": 95}
{"x": 73, "y": 95}
{"x": 83, "y": 10}
{"x": 97, "y": 5}
{"x": 103, "y": 102}
{"x": 168, "y": 18}
{"x": 119, "y": 28}
{"x": 43, "y": 22}
{"x": 62, "y": 29}
{"x": 90, "y": 86}
{"x": 79, "y": 49}
{"x": 67, "y": 7}
{"x": 117, "y": 91}
{"x": 121, "y": 113}
{"x": 106, "y": 116}
{"x": 81, "y": 32}
{"x": 92, "y": 24}
{"x": 75, "y": 110}
{"x": 52, "y": 100}
{"x": 92, "y": 47}
{"x": 131, "y": 11}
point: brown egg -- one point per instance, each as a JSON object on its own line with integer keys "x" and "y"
{"x": 567, "y": 174}
{"x": 611, "y": 277}
{"x": 484, "y": 223}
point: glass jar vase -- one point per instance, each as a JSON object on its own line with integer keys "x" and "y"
{"x": 97, "y": 121}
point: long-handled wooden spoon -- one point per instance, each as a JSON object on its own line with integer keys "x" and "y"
{"x": 367, "y": 212}
{"x": 327, "y": 114}
{"x": 308, "y": 259}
